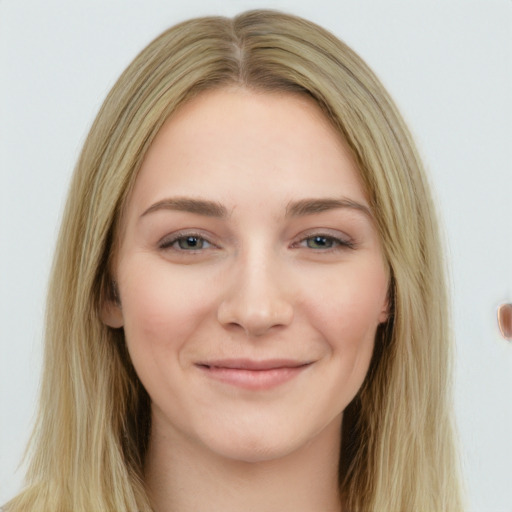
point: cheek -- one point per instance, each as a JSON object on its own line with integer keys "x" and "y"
{"x": 352, "y": 305}
{"x": 347, "y": 315}
{"x": 161, "y": 309}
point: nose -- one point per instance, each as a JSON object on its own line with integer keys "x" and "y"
{"x": 258, "y": 299}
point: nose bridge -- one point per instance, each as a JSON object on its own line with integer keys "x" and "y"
{"x": 257, "y": 298}
{"x": 258, "y": 278}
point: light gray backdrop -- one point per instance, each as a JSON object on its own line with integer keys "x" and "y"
{"x": 447, "y": 63}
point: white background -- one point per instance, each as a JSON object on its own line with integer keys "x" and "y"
{"x": 447, "y": 63}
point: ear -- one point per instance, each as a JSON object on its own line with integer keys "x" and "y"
{"x": 111, "y": 314}
{"x": 385, "y": 311}
{"x": 111, "y": 311}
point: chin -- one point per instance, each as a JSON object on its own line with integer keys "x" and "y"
{"x": 270, "y": 441}
{"x": 253, "y": 449}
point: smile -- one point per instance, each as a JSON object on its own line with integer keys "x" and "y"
{"x": 253, "y": 375}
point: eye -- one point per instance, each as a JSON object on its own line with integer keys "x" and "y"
{"x": 323, "y": 242}
{"x": 320, "y": 242}
{"x": 191, "y": 243}
{"x": 188, "y": 242}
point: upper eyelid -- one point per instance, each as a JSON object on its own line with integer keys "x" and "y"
{"x": 343, "y": 240}
{"x": 328, "y": 233}
{"x": 170, "y": 239}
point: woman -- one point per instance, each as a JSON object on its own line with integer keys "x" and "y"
{"x": 247, "y": 308}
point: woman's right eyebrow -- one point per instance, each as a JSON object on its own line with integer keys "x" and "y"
{"x": 191, "y": 205}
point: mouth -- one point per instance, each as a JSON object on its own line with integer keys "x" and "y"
{"x": 251, "y": 374}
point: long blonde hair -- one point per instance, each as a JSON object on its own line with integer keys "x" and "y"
{"x": 93, "y": 425}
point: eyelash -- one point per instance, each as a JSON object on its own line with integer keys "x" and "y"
{"x": 168, "y": 243}
{"x": 337, "y": 244}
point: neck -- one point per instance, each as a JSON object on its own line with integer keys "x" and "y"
{"x": 183, "y": 477}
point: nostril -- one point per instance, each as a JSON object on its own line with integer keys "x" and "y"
{"x": 255, "y": 321}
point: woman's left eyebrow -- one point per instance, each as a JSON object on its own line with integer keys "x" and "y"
{"x": 311, "y": 206}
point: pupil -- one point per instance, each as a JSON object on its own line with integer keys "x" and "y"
{"x": 319, "y": 241}
{"x": 190, "y": 242}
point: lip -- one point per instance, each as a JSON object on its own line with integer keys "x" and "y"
{"x": 252, "y": 374}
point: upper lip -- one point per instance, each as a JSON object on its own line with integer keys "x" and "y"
{"x": 252, "y": 364}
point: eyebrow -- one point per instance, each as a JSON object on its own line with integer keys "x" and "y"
{"x": 191, "y": 205}
{"x": 311, "y": 206}
{"x": 299, "y": 208}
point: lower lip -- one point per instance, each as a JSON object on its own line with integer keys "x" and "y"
{"x": 254, "y": 380}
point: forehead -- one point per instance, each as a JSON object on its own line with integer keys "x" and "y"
{"x": 232, "y": 141}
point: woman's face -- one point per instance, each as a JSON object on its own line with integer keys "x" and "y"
{"x": 250, "y": 275}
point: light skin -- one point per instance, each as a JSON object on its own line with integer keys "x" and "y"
{"x": 251, "y": 283}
